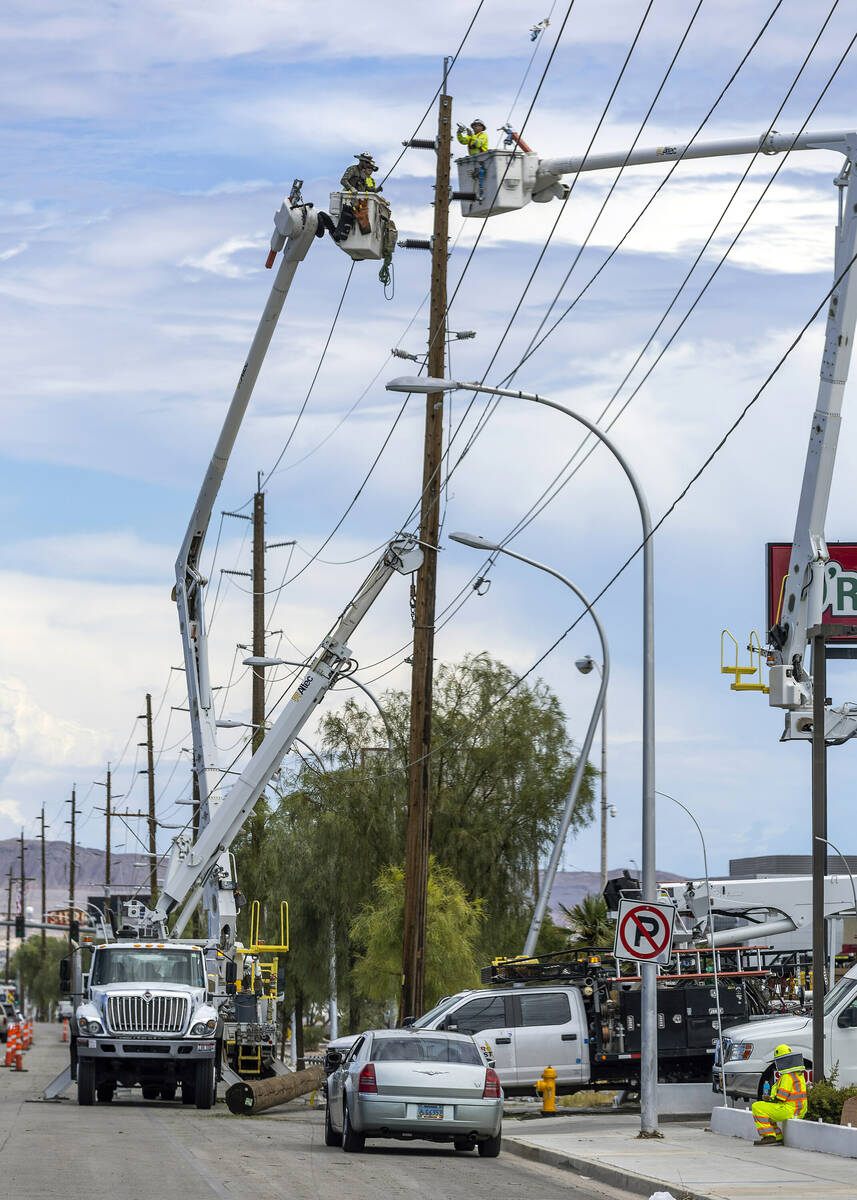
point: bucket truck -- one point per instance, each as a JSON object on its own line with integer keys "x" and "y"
{"x": 155, "y": 1010}
{"x": 504, "y": 180}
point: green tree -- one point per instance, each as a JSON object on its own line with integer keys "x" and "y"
{"x": 452, "y": 927}
{"x": 500, "y": 774}
{"x": 40, "y": 981}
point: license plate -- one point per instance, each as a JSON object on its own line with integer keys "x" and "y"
{"x": 433, "y": 1111}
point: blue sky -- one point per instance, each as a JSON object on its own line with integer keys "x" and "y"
{"x": 146, "y": 147}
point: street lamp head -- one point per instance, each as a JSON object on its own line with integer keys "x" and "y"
{"x": 259, "y": 660}
{"x": 585, "y": 664}
{"x": 475, "y": 540}
{"x": 420, "y": 383}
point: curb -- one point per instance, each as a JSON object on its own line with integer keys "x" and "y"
{"x": 639, "y": 1185}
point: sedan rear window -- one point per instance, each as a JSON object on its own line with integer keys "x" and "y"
{"x": 421, "y": 1049}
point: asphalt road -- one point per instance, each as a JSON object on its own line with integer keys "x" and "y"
{"x": 138, "y": 1150}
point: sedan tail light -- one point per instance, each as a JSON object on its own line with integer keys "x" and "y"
{"x": 367, "y": 1082}
{"x": 491, "y": 1091}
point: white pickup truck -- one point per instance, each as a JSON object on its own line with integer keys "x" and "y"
{"x": 749, "y": 1048}
{"x": 589, "y": 1034}
{"x": 147, "y": 1018}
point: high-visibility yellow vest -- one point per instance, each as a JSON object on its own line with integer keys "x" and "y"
{"x": 790, "y": 1089}
{"x": 476, "y": 143}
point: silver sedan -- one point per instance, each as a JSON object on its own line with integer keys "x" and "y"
{"x": 427, "y": 1084}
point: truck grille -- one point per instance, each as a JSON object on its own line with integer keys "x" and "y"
{"x": 147, "y": 1013}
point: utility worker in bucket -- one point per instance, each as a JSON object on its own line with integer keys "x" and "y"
{"x": 358, "y": 177}
{"x": 788, "y": 1097}
{"x": 475, "y": 138}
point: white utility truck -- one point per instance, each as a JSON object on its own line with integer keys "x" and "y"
{"x": 155, "y": 1010}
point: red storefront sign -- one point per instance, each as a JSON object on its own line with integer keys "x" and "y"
{"x": 840, "y": 584}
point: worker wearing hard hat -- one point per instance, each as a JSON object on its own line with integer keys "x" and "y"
{"x": 788, "y": 1097}
{"x": 358, "y": 177}
{"x": 475, "y": 138}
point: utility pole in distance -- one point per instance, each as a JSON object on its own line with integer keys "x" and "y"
{"x": 419, "y": 775}
{"x": 258, "y": 704}
{"x": 108, "y": 813}
{"x": 153, "y": 822}
{"x": 44, "y": 885}
{"x": 71, "y": 864}
{"x": 8, "y": 924}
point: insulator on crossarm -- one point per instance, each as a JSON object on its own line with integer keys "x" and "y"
{"x": 421, "y": 144}
{"x": 416, "y": 243}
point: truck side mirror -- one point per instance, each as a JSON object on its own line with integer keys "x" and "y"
{"x": 848, "y": 1017}
{"x": 65, "y": 977}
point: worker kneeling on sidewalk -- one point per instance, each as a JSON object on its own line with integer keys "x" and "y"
{"x": 788, "y": 1097}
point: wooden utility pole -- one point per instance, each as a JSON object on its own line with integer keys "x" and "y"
{"x": 153, "y": 821}
{"x": 419, "y": 774}
{"x": 71, "y": 863}
{"x": 108, "y": 813}
{"x": 8, "y": 924}
{"x": 258, "y": 705}
{"x": 44, "y": 893}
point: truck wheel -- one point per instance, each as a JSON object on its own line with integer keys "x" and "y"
{"x": 204, "y": 1084}
{"x": 150, "y": 1093}
{"x": 490, "y": 1148}
{"x": 104, "y": 1093}
{"x": 85, "y": 1081}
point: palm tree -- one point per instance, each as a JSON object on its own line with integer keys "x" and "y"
{"x": 590, "y": 925}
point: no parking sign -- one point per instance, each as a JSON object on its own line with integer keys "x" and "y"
{"x": 644, "y": 931}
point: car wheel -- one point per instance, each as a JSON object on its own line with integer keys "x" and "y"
{"x": 151, "y": 1093}
{"x": 204, "y": 1084}
{"x": 104, "y": 1093}
{"x": 352, "y": 1142}
{"x": 463, "y": 1144}
{"x": 331, "y": 1137}
{"x": 85, "y": 1081}
{"x": 491, "y": 1147}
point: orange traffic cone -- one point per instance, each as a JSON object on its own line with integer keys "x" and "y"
{"x": 19, "y": 1059}
{"x": 25, "y": 1035}
{"x": 65, "y": 1029}
{"x": 32, "y": 1031}
{"x": 11, "y": 1040}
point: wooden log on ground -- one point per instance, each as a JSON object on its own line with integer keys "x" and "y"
{"x": 246, "y": 1098}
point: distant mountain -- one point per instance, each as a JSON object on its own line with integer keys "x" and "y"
{"x": 570, "y": 887}
{"x": 125, "y": 872}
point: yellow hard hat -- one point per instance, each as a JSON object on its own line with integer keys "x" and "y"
{"x": 781, "y": 1050}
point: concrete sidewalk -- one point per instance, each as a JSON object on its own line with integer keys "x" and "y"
{"x": 689, "y": 1161}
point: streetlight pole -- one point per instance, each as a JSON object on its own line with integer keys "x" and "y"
{"x": 584, "y": 666}
{"x": 481, "y": 543}
{"x": 649, "y": 997}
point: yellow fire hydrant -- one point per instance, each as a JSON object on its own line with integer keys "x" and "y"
{"x": 546, "y": 1087}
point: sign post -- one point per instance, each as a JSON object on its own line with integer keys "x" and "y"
{"x": 644, "y": 931}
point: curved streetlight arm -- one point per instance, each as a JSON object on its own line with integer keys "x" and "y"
{"x": 828, "y": 842}
{"x": 286, "y": 662}
{"x": 583, "y": 757}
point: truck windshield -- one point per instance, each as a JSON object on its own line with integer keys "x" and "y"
{"x": 425, "y": 1020}
{"x": 141, "y": 964}
{"x": 837, "y": 993}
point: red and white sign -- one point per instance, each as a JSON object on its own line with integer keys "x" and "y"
{"x": 644, "y": 931}
{"x": 840, "y": 585}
